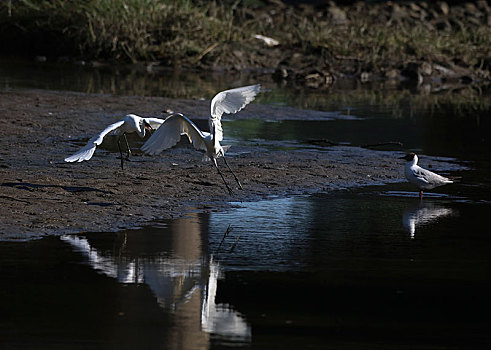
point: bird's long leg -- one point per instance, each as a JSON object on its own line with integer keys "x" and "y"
{"x": 220, "y": 172}
{"x": 421, "y": 194}
{"x": 235, "y": 177}
{"x": 128, "y": 153}
{"x": 120, "y": 152}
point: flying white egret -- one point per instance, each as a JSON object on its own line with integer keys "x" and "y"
{"x": 422, "y": 178}
{"x": 229, "y": 101}
{"x": 130, "y": 123}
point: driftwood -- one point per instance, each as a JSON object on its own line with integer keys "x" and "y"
{"x": 329, "y": 143}
{"x": 389, "y": 143}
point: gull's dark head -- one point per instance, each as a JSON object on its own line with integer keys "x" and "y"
{"x": 409, "y": 157}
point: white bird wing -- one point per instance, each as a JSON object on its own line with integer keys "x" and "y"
{"x": 230, "y": 101}
{"x": 430, "y": 178}
{"x": 86, "y": 152}
{"x": 421, "y": 175}
{"x": 169, "y": 134}
{"x": 154, "y": 122}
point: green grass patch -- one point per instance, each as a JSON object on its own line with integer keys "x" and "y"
{"x": 123, "y": 30}
{"x": 185, "y": 32}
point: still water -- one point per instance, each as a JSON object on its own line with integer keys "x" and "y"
{"x": 366, "y": 268}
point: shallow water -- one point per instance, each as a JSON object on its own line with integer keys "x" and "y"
{"x": 109, "y": 79}
{"x": 363, "y": 268}
{"x": 366, "y": 268}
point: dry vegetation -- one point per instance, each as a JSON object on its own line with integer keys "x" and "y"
{"x": 414, "y": 39}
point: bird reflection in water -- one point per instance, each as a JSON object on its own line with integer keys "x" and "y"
{"x": 183, "y": 279}
{"x": 423, "y": 213}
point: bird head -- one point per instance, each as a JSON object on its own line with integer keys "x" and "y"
{"x": 147, "y": 126}
{"x": 409, "y": 156}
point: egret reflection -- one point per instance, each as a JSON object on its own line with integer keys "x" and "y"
{"x": 218, "y": 318}
{"x": 181, "y": 276}
{"x": 421, "y": 214}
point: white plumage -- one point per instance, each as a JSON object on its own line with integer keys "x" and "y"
{"x": 170, "y": 134}
{"x": 129, "y": 124}
{"x": 422, "y": 178}
{"x": 229, "y": 101}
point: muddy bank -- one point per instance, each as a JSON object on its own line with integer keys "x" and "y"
{"x": 373, "y": 54}
{"x": 40, "y": 194}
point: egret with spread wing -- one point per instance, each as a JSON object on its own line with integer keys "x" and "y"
{"x": 130, "y": 123}
{"x": 229, "y": 101}
{"x": 422, "y": 178}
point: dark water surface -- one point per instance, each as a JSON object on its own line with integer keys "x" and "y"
{"x": 366, "y": 268}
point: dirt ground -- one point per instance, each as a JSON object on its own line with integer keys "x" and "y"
{"x": 40, "y": 194}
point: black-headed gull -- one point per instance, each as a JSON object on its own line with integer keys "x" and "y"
{"x": 422, "y": 178}
{"x": 229, "y": 101}
{"x": 129, "y": 124}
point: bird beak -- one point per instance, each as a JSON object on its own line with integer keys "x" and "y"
{"x": 403, "y": 157}
{"x": 148, "y": 127}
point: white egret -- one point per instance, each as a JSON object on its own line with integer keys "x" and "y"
{"x": 422, "y": 178}
{"x": 130, "y": 123}
{"x": 229, "y": 101}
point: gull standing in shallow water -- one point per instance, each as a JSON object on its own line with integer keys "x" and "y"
{"x": 422, "y": 178}
{"x": 169, "y": 134}
{"x": 130, "y": 123}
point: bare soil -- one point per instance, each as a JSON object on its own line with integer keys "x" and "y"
{"x": 40, "y": 194}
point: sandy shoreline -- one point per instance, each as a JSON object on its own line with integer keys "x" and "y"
{"x": 40, "y": 194}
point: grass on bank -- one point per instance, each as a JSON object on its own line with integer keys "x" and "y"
{"x": 122, "y": 30}
{"x": 184, "y": 32}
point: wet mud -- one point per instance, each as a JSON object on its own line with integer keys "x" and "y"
{"x": 40, "y": 194}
